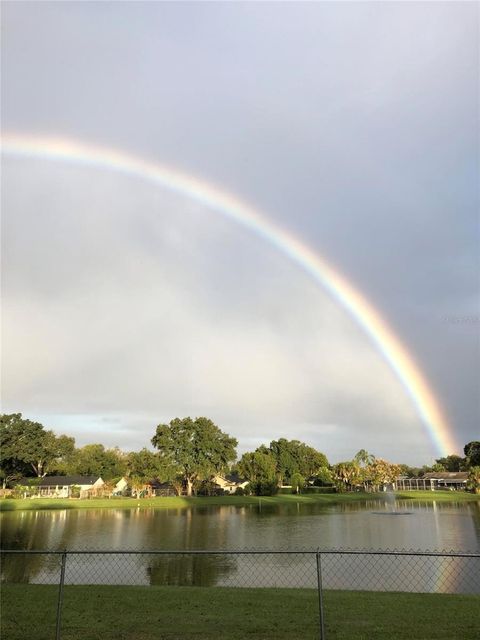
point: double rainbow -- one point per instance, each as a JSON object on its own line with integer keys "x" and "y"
{"x": 388, "y": 344}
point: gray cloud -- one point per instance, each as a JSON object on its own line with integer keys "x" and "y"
{"x": 353, "y": 125}
{"x": 117, "y": 312}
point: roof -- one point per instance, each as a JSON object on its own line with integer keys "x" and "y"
{"x": 459, "y": 476}
{"x": 53, "y": 481}
{"x": 229, "y": 479}
{"x": 234, "y": 478}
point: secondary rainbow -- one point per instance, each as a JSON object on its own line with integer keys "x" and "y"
{"x": 371, "y": 321}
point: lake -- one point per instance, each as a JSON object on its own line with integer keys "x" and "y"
{"x": 374, "y": 525}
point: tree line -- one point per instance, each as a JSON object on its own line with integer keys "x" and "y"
{"x": 191, "y": 452}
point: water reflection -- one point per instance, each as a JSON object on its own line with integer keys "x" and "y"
{"x": 411, "y": 573}
{"x": 193, "y": 571}
{"x": 297, "y": 526}
{"x": 429, "y": 525}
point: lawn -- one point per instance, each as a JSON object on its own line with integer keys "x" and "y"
{"x": 7, "y": 504}
{"x": 438, "y": 496}
{"x": 196, "y": 613}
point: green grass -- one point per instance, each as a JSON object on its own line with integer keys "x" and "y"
{"x": 196, "y": 613}
{"x": 180, "y": 502}
{"x": 438, "y": 496}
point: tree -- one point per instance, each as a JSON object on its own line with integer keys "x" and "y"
{"x": 472, "y": 453}
{"x": 473, "y": 481}
{"x": 143, "y": 466}
{"x": 293, "y": 456}
{"x": 411, "y": 472}
{"x": 63, "y": 451}
{"x": 26, "y": 443}
{"x": 259, "y": 468}
{"x": 95, "y": 460}
{"x": 363, "y": 458}
{"x": 346, "y": 475}
{"x": 452, "y": 463}
{"x": 11, "y": 469}
{"x": 323, "y": 477}
{"x": 146, "y": 465}
{"x": 298, "y": 482}
{"x": 381, "y": 472}
{"x": 137, "y": 485}
{"x": 194, "y": 449}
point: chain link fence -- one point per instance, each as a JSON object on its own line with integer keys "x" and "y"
{"x": 71, "y": 594}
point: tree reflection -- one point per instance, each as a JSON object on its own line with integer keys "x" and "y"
{"x": 30, "y": 530}
{"x": 190, "y": 570}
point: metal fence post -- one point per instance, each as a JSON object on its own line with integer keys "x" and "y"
{"x": 60, "y": 595}
{"x": 320, "y": 595}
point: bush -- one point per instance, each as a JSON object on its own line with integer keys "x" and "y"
{"x": 323, "y": 478}
{"x": 240, "y": 491}
{"x": 26, "y": 490}
{"x": 264, "y": 488}
{"x": 75, "y": 491}
{"x": 207, "y": 488}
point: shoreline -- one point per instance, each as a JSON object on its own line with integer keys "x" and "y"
{"x": 182, "y": 502}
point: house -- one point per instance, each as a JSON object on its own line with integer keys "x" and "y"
{"x": 121, "y": 487}
{"x": 453, "y": 480}
{"x": 434, "y": 481}
{"x": 143, "y": 489}
{"x": 230, "y": 482}
{"x": 157, "y": 488}
{"x": 63, "y": 486}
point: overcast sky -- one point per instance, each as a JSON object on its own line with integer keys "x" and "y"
{"x": 352, "y": 125}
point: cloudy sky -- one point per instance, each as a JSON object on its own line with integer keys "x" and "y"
{"x": 353, "y": 126}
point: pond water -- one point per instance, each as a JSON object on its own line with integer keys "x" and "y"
{"x": 359, "y": 525}
{"x": 374, "y": 525}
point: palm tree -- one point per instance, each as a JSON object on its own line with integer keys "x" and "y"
{"x": 346, "y": 474}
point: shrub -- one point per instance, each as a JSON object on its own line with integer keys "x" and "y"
{"x": 264, "y": 488}
{"x": 75, "y": 491}
{"x": 207, "y": 488}
{"x": 26, "y": 490}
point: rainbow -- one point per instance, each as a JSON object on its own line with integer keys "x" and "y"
{"x": 369, "y": 319}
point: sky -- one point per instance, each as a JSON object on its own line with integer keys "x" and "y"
{"x": 352, "y": 126}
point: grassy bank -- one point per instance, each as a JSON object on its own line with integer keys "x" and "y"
{"x": 438, "y": 496}
{"x": 7, "y": 504}
{"x": 174, "y": 613}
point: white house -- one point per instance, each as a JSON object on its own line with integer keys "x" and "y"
{"x": 433, "y": 481}
{"x": 453, "y": 480}
{"x": 120, "y": 488}
{"x": 230, "y": 482}
{"x": 63, "y": 486}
